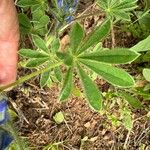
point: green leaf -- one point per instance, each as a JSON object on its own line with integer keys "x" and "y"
{"x": 59, "y": 117}
{"x": 68, "y": 60}
{"x": 76, "y": 91}
{"x": 67, "y": 57}
{"x": 118, "y": 9}
{"x": 115, "y": 76}
{"x": 55, "y": 45}
{"x": 127, "y": 118}
{"x": 44, "y": 78}
{"x": 145, "y": 94}
{"x": 27, "y": 3}
{"x": 67, "y": 86}
{"x": 32, "y": 53}
{"x": 96, "y": 36}
{"x": 147, "y": 87}
{"x": 61, "y": 55}
{"x": 114, "y": 120}
{"x": 49, "y": 83}
{"x": 13, "y": 115}
{"x": 98, "y": 47}
{"x": 121, "y": 15}
{"x": 146, "y": 57}
{"x": 114, "y": 56}
{"x": 33, "y": 63}
{"x": 146, "y": 74}
{"x": 40, "y": 43}
{"x": 24, "y": 22}
{"x": 131, "y": 100}
{"x": 92, "y": 92}
{"x": 58, "y": 73}
{"x": 126, "y": 5}
{"x": 144, "y": 20}
{"x": 143, "y": 45}
{"x": 42, "y": 22}
{"x": 76, "y": 36}
{"x": 51, "y": 146}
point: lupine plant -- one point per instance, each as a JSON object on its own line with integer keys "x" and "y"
{"x": 81, "y": 55}
{"x": 84, "y": 54}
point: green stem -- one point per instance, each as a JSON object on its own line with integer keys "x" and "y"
{"x": 27, "y": 77}
{"x": 80, "y": 18}
{"x": 89, "y": 15}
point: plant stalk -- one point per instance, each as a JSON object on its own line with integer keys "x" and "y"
{"x": 27, "y": 77}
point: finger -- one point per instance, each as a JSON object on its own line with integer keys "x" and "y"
{"x": 9, "y": 38}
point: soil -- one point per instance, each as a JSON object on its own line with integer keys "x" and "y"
{"x": 36, "y": 108}
{"x": 37, "y": 125}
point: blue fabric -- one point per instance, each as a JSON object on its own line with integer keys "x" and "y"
{"x": 5, "y": 139}
{"x": 3, "y": 111}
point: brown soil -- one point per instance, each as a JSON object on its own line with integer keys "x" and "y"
{"x": 39, "y": 106}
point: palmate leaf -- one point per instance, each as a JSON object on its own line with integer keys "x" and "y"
{"x": 113, "y": 75}
{"x": 44, "y": 78}
{"x": 40, "y": 19}
{"x": 131, "y": 100}
{"x": 96, "y": 36}
{"x": 120, "y": 9}
{"x": 40, "y": 43}
{"x": 76, "y": 36}
{"x": 92, "y": 92}
{"x": 117, "y": 5}
{"x": 67, "y": 86}
{"x": 32, "y": 53}
{"x": 114, "y": 56}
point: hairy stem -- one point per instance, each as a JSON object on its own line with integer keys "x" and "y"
{"x": 27, "y": 77}
{"x": 82, "y": 17}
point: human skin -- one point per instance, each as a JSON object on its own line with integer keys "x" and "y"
{"x": 9, "y": 42}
